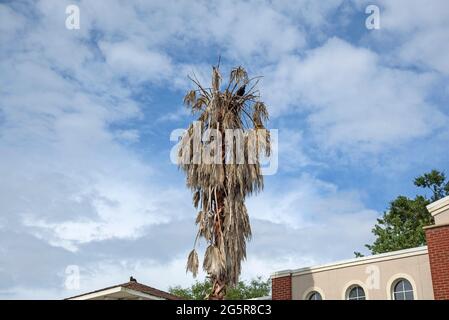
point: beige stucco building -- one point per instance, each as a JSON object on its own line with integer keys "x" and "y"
{"x": 417, "y": 273}
{"x": 376, "y": 275}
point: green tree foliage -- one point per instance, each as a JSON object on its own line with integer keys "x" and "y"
{"x": 401, "y": 226}
{"x": 436, "y": 182}
{"x": 243, "y": 290}
{"x": 198, "y": 291}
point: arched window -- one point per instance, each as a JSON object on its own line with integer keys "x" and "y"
{"x": 402, "y": 290}
{"x": 356, "y": 293}
{"x": 314, "y": 295}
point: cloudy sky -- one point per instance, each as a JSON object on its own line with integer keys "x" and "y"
{"x": 86, "y": 115}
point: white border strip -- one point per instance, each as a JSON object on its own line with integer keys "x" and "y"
{"x": 105, "y": 293}
{"x": 354, "y": 262}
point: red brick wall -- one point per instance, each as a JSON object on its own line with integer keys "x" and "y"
{"x": 438, "y": 246}
{"x": 281, "y": 288}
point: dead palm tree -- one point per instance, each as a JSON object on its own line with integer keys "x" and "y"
{"x": 220, "y": 188}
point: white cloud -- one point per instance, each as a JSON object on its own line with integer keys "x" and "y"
{"x": 127, "y": 59}
{"x": 234, "y": 24}
{"x": 410, "y": 15}
{"x": 292, "y": 146}
{"x": 308, "y": 202}
{"x": 130, "y": 135}
{"x": 180, "y": 113}
{"x": 315, "y": 14}
{"x": 352, "y": 100}
{"x": 432, "y": 47}
{"x": 10, "y": 22}
{"x": 417, "y": 33}
{"x": 122, "y": 211}
{"x": 66, "y": 177}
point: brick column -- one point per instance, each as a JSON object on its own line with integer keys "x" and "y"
{"x": 281, "y": 287}
{"x": 438, "y": 246}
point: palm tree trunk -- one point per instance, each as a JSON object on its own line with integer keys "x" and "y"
{"x": 219, "y": 285}
{"x": 218, "y": 290}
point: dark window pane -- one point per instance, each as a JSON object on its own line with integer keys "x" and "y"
{"x": 360, "y": 292}
{"x": 353, "y": 293}
{"x": 409, "y": 295}
{"x": 315, "y": 296}
{"x": 398, "y": 296}
{"x": 356, "y": 293}
{"x": 407, "y": 285}
{"x": 399, "y": 286}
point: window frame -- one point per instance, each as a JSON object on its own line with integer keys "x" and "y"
{"x": 351, "y": 284}
{"x": 355, "y": 287}
{"x": 394, "y": 280}
{"x": 307, "y": 293}
{"x": 403, "y": 292}
{"x": 311, "y": 293}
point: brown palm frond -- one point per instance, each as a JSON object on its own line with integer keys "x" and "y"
{"x": 192, "y": 263}
{"x": 190, "y": 98}
{"x": 239, "y": 75}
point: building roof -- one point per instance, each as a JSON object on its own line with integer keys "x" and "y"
{"x": 127, "y": 291}
{"x": 355, "y": 261}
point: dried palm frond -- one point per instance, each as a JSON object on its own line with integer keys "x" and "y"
{"x": 192, "y": 263}
{"x": 214, "y": 260}
{"x": 190, "y": 98}
{"x": 238, "y": 75}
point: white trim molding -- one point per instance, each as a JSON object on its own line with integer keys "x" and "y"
{"x": 354, "y": 262}
{"x": 440, "y": 212}
{"x": 438, "y": 206}
{"x": 119, "y": 289}
{"x": 97, "y": 294}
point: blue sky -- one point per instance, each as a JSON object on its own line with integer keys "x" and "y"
{"x": 85, "y": 119}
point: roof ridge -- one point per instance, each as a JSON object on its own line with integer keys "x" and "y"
{"x": 133, "y": 285}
